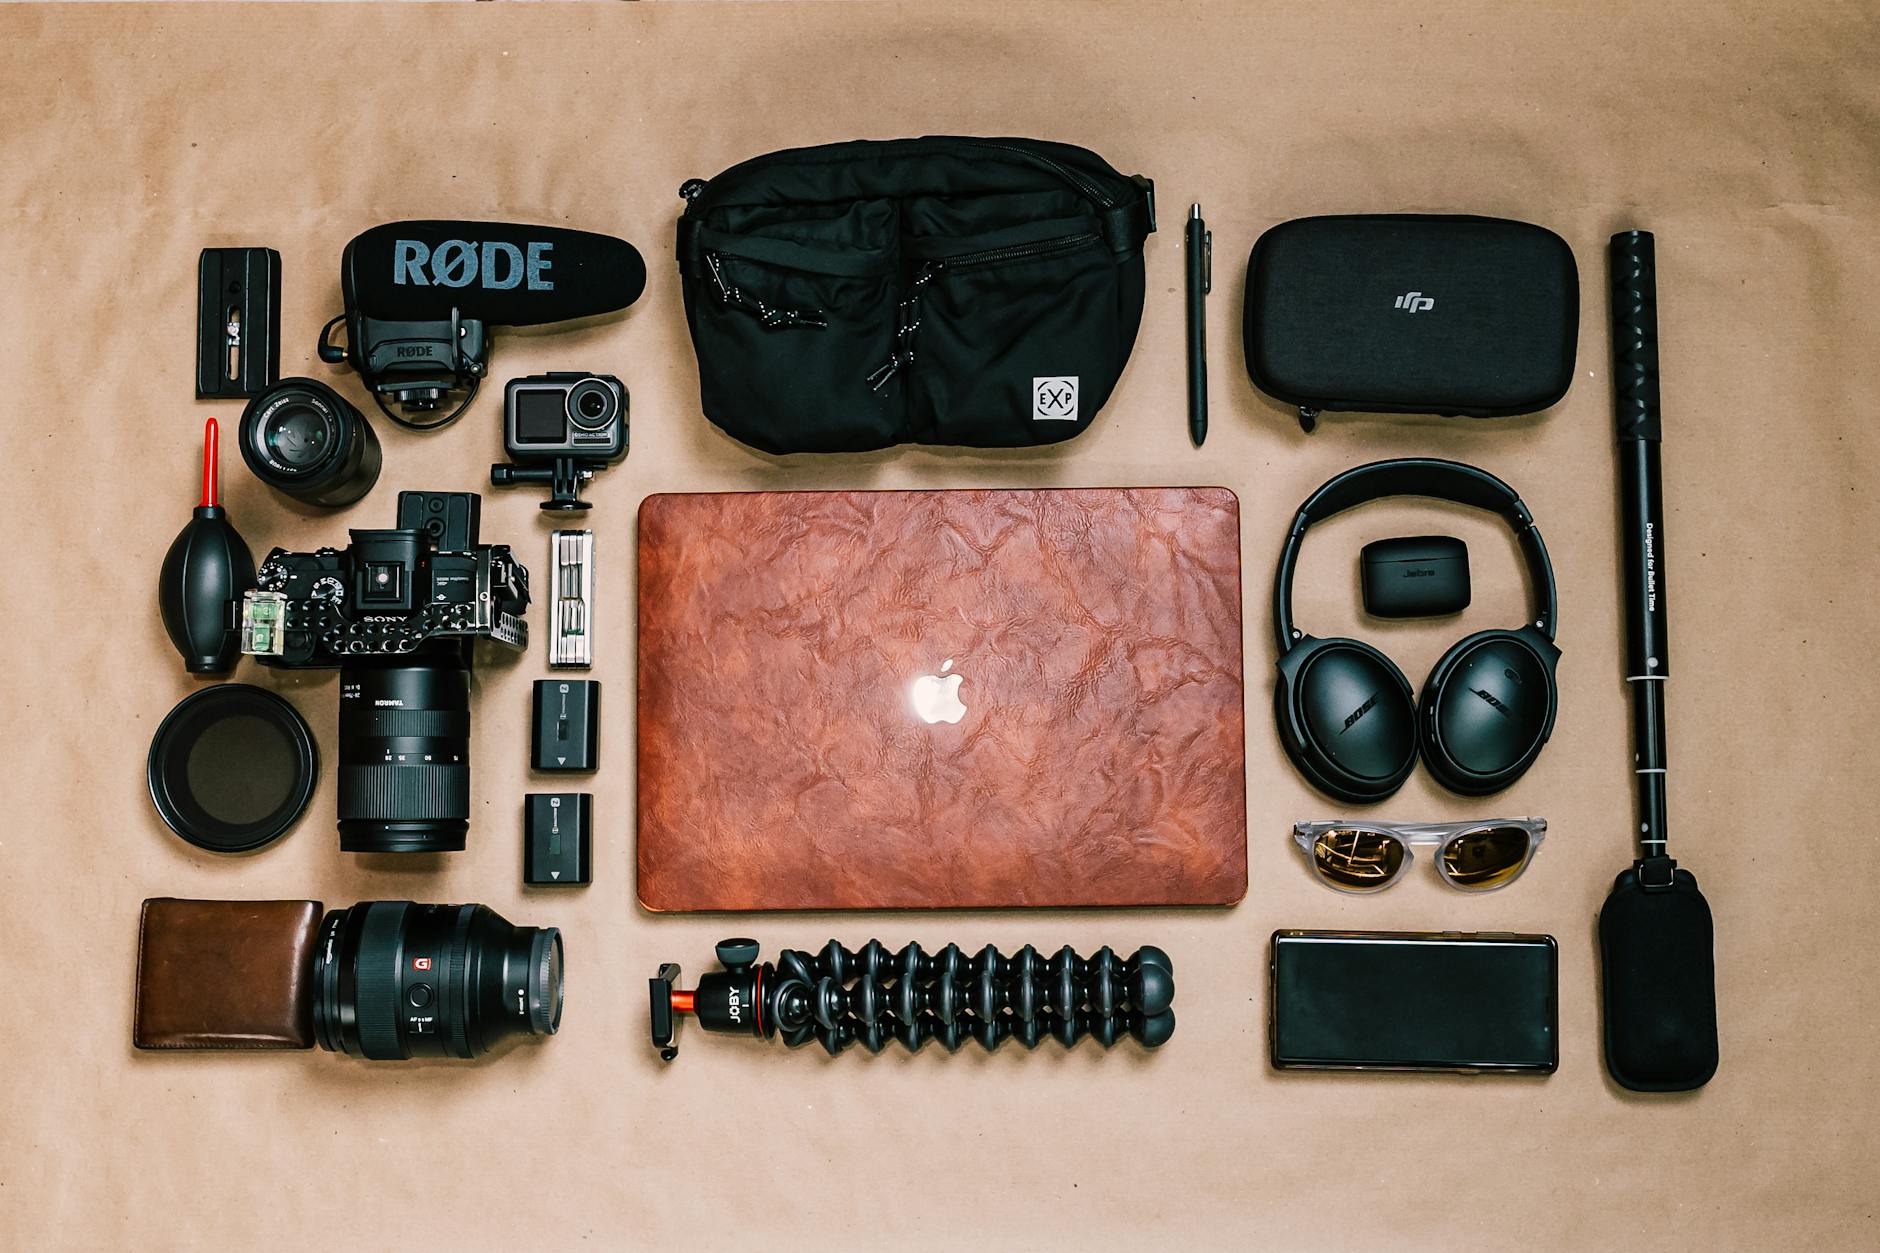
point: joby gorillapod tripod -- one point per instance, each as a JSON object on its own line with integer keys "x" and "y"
{"x": 870, "y": 996}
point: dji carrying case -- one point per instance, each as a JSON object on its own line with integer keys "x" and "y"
{"x": 983, "y": 292}
{"x": 1407, "y": 313}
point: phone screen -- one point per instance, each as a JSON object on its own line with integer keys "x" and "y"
{"x": 1364, "y": 1000}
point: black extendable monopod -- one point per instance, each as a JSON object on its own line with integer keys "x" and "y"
{"x": 1657, "y": 970}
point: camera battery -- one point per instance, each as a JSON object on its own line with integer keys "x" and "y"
{"x": 557, "y": 839}
{"x": 565, "y": 725}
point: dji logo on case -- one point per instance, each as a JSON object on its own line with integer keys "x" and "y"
{"x": 1414, "y": 302}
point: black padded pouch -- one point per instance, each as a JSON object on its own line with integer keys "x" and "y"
{"x": 981, "y": 292}
{"x": 1407, "y": 313}
{"x": 1658, "y": 979}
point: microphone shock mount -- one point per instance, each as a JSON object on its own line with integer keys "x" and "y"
{"x": 869, "y": 996}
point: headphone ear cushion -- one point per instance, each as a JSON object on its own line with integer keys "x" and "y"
{"x": 1347, "y": 719}
{"x": 1487, "y": 710}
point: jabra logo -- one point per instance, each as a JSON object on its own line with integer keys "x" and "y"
{"x": 1358, "y": 713}
{"x": 493, "y": 265}
{"x": 1414, "y": 573}
{"x": 1414, "y": 302}
{"x": 1501, "y": 708}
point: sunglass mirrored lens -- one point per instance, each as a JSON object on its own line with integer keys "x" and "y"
{"x": 1357, "y": 860}
{"x": 1485, "y": 859}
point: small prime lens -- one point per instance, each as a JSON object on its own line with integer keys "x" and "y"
{"x": 404, "y": 754}
{"x": 302, "y": 438}
{"x": 394, "y": 980}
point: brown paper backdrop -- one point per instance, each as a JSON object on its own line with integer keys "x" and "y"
{"x": 1745, "y": 138}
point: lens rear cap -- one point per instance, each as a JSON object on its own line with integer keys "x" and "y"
{"x": 232, "y": 768}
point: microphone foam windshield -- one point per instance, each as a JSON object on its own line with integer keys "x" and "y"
{"x": 500, "y": 273}
{"x": 1659, "y": 984}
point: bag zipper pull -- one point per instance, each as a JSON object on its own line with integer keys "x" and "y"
{"x": 730, "y": 295}
{"x": 691, "y": 189}
{"x": 907, "y": 323}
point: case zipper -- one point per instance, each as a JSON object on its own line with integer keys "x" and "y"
{"x": 907, "y": 320}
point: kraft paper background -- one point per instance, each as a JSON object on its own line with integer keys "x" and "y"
{"x": 1744, "y": 135}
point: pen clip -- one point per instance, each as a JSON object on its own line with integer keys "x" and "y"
{"x": 1207, "y": 262}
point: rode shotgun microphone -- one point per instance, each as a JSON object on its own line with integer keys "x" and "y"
{"x": 1658, "y": 974}
{"x": 421, "y": 296}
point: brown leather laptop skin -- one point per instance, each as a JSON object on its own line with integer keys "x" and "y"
{"x": 1097, "y": 633}
{"x": 225, "y": 974}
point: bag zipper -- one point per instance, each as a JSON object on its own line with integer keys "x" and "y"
{"x": 693, "y": 188}
{"x": 907, "y": 320}
{"x": 1019, "y": 252}
{"x": 1099, "y": 197}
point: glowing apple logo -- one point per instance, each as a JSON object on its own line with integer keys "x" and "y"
{"x": 937, "y": 696}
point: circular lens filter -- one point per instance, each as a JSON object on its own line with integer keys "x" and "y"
{"x": 232, "y": 768}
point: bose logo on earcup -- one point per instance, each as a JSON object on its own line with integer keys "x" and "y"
{"x": 1358, "y": 713}
{"x": 493, "y": 264}
{"x": 1497, "y": 705}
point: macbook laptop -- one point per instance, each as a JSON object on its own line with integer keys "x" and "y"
{"x": 940, "y": 699}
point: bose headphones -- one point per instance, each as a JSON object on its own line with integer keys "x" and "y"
{"x": 1347, "y": 717}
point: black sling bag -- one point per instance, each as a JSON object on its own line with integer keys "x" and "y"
{"x": 981, "y": 292}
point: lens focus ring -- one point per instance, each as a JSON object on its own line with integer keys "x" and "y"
{"x": 393, "y": 793}
{"x": 376, "y": 980}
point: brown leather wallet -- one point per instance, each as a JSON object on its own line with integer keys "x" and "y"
{"x": 225, "y": 974}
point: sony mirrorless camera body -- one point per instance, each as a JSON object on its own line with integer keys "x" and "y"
{"x": 427, "y": 586}
{"x": 558, "y": 429}
{"x": 399, "y": 612}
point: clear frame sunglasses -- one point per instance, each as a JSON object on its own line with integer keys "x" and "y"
{"x": 1370, "y": 856}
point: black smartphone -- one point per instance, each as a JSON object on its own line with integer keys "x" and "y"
{"x": 1415, "y": 1000}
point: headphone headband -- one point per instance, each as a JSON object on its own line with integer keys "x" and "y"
{"x": 1416, "y": 476}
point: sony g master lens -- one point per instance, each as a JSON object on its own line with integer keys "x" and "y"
{"x": 404, "y": 754}
{"x": 302, "y": 438}
{"x": 393, "y": 980}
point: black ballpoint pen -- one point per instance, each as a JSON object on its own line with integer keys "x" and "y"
{"x": 1199, "y": 246}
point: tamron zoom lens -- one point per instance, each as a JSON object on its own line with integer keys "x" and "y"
{"x": 394, "y": 980}
{"x": 404, "y": 755}
{"x": 302, "y": 438}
